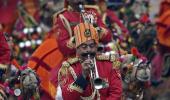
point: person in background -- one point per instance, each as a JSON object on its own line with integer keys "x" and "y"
{"x": 119, "y": 31}
{"x": 68, "y": 18}
{"x": 110, "y": 18}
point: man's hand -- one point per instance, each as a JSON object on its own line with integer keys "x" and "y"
{"x": 87, "y": 65}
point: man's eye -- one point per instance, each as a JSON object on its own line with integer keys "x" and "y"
{"x": 84, "y": 46}
{"x": 92, "y": 45}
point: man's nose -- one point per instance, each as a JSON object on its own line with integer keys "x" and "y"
{"x": 88, "y": 49}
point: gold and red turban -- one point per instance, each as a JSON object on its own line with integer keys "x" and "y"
{"x": 84, "y": 32}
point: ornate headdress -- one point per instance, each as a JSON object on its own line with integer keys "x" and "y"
{"x": 84, "y": 32}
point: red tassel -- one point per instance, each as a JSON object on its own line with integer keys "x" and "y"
{"x": 135, "y": 51}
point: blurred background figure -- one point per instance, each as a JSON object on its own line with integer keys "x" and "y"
{"x": 140, "y": 23}
{"x": 8, "y": 9}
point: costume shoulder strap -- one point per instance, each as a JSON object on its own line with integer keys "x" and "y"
{"x": 69, "y": 62}
{"x": 66, "y": 68}
{"x": 112, "y": 58}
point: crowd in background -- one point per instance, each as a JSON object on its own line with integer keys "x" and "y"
{"x": 27, "y": 23}
{"x": 31, "y": 20}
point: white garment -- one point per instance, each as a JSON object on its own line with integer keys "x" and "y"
{"x": 59, "y": 94}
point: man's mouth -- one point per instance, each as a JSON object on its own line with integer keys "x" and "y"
{"x": 88, "y": 55}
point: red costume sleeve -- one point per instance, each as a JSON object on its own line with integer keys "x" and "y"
{"x": 115, "y": 19}
{"x": 107, "y": 36}
{"x": 4, "y": 50}
{"x": 63, "y": 39}
{"x": 115, "y": 89}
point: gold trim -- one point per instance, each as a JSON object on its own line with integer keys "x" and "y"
{"x": 66, "y": 24}
{"x": 63, "y": 71}
{"x": 102, "y": 57}
{"x": 116, "y": 64}
{"x": 111, "y": 58}
{"x": 104, "y": 18}
{"x": 73, "y": 73}
{"x": 70, "y": 44}
{"x": 76, "y": 87}
{"x": 73, "y": 60}
{"x": 66, "y": 66}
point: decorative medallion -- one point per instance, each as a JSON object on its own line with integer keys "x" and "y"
{"x": 87, "y": 33}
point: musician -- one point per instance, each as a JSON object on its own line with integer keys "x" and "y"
{"x": 110, "y": 18}
{"x": 68, "y": 18}
{"x": 76, "y": 75}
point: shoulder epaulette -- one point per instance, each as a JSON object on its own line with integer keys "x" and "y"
{"x": 70, "y": 61}
{"x": 59, "y": 12}
{"x": 93, "y": 7}
{"x": 66, "y": 67}
{"x": 73, "y": 60}
{"x": 111, "y": 58}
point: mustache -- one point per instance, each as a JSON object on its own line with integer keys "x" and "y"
{"x": 91, "y": 54}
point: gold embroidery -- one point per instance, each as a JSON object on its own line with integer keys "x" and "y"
{"x": 73, "y": 60}
{"x": 63, "y": 71}
{"x": 102, "y": 57}
{"x": 111, "y": 58}
{"x": 66, "y": 68}
{"x": 70, "y": 43}
{"x": 116, "y": 64}
{"x": 73, "y": 73}
{"x": 76, "y": 87}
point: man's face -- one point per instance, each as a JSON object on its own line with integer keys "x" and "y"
{"x": 87, "y": 48}
{"x": 75, "y": 3}
{"x": 102, "y": 6}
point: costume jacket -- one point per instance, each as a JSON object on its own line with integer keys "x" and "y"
{"x": 4, "y": 50}
{"x": 76, "y": 87}
{"x": 110, "y": 17}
